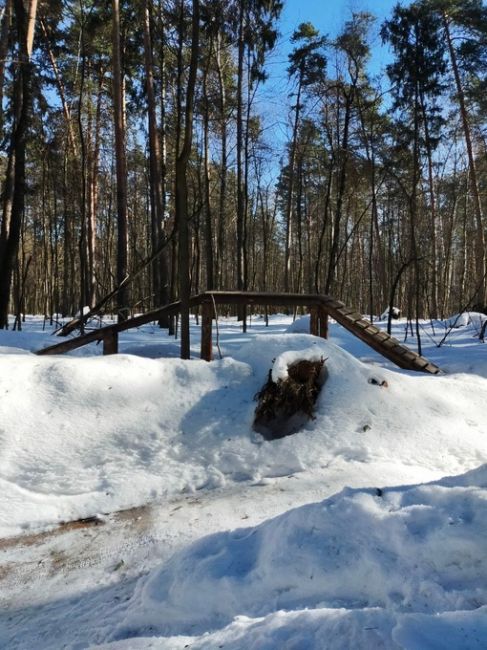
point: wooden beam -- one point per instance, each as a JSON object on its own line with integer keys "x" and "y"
{"x": 321, "y": 307}
{"x": 260, "y": 298}
{"x": 72, "y": 344}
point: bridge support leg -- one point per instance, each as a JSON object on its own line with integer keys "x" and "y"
{"x": 110, "y": 342}
{"x": 206, "y": 334}
{"x": 314, "y": 321}
{"x": 318, "y": 322}
{"x": 323, "y": 323}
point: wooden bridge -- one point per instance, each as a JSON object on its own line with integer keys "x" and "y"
{"x": 320, "y": 308}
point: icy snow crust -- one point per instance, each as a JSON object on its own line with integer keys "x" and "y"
{"x": 389, "y": 562}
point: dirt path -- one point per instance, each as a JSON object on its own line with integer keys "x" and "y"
{"x": 70, "y": 586}
{"x": 107, "y": 548}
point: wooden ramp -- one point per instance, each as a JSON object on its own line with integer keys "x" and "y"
{"x": 380, "y": 341}
{"x": 320, "y": 308}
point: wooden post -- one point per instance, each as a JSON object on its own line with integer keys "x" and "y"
{"x": 313, "y": 321}
{"x": 323, "y": 323}
{"x": 206, "y": 337}
{"x": 110, "y": 342}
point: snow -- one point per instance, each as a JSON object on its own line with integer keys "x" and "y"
{"x": 387, "y": 556}
{"x": 396, "y": 312}
{"x": 474, "y": 318}
{"x": 288, "y": 358}
{"x": 352, "y": 538}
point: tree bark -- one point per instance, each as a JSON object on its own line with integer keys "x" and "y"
{"x": 14, "y": 195}
{"x": 220, "y": 261}
{"x": 120, "y": 163}
{"x": 159, "y": 277}
{"x": 481, "y": 268}
{"x": 4, "y": 43}
{"x": 240, "y": 146}
{"x": 181, "y": 187}
{"x": 206, "y": 155}
{"x": 290, "y": 187}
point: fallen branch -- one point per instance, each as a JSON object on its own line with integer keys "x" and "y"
{"x": 78, "y": 322}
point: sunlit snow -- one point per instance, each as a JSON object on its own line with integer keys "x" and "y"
{"x": 344, "y": 535}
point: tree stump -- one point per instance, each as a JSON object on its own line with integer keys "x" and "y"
{"x": 285, "y": 406}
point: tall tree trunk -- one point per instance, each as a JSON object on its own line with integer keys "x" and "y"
{"x": 206, "y": 156}
{"x": 120, "y": 162}
{"x": 181, "y": 185}
{"x": 91, "y": 240}
{"x": 4, "y": 43}
{"x": 60, "y": 86}
{"x": 14, "y": 195}
{"x": 290, "y": 187}
{"x": 341, "y": 186}
{"x": 240, "y": 148}
{"x": 165, "y": 275}
{"x": 481, "y": 268}
{"x": 223, "y": 168}
{"x": 432, "y": 207}
{"x": 82, "y": 247}
{"x": 159, "y": 271}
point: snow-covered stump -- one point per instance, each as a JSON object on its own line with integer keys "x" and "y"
{"x": 287, "y": 400}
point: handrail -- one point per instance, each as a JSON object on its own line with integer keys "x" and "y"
{"x": 320, "y": 306}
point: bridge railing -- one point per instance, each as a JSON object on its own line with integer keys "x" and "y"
{"x": 320, "y": 307}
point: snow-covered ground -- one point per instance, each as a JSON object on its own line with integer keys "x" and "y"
{"x": 345, "y": 535}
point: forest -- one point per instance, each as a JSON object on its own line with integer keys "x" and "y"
{"x": 137, "y": 166}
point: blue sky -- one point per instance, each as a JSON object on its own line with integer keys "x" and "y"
{"x": 328, "y": 16}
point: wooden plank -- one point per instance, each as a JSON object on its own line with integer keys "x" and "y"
{"x": 363, "y": 324}
{"x": 98, "y": 335}
{"x": 149, "y": 317}
{"x": 390, "y": 343}
{"x": 400, "y": 350}
{"x": 72, "y": 344}
{"x": 333, "y": 304}
{"x": 410, "y": 356}
{"x": 380, "y": 341}
{"x": 258, "y": 298}
{"x": 373, "y": 330}
{"x": 206, "y": 334}
{"x": 431, "y": 368}
{"x": 345, "y": 311}
{"x": 421, "y": 362}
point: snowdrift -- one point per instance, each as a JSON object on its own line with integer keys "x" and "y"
{"x": 80, "y": 436}
{"x": 393, "y": 568}
{"x": 474, "y": 319}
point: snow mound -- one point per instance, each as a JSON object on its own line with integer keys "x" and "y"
{"x": 474, "y": 318}
{"x": 333, "y": 629}
{"x": 299, "y": 325}
{"x": 387, "y": 568}
{"x": 86, "y": 435}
